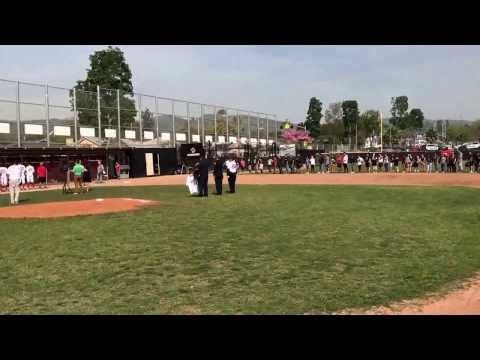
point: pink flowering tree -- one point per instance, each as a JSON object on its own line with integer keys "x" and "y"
{"x": 294, "y": 136}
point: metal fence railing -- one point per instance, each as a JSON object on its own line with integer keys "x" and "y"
{"x": 42, "y": 115}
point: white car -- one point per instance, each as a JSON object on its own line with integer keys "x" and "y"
{"x": 431, "y": 147}
{"x": 474, "y": 145}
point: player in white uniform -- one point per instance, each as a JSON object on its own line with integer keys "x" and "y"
{"x": 21, "y": 168}
{"x": 30, "y": 171}
{"x": 14, "y": 178}
{"x": 3, "y": 178}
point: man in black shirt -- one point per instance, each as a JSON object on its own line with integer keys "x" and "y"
{"x": 218, "y": 174}
{"x": 203, "y": 167}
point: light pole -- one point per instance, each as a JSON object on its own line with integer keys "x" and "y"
{"x": 381, "y": 131}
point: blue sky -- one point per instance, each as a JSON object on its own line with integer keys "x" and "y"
{"x": 442, "y": 80}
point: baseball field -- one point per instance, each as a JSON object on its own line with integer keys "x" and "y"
{"x": 283, "y": 244}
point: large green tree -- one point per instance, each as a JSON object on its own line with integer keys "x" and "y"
{"x": 314, "y": 115}
{"x": 459, "y": 133}
{"x": 333, "y": 113}
{"x": 109, "y": 70}
{"x": 370, "y": 122}
{"x": 415, "y": 119}
{"x": 399, "y": 112}
{"x": 350, "y": 117}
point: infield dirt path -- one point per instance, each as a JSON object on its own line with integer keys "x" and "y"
{"x": 420, "y": 179}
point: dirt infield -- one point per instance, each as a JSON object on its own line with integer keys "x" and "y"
{"x": 420, "y": 179}
{"x": 464, "y": 301}
{"x": 73, "y": 208}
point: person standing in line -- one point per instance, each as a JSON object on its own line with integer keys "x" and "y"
{"x": 429, "y": 160}
{"x": 42, "y": 176}
{"x": 117, "y": 170}
{"x": 218, "y": 175}
{"x": 380, "y": 162}
{"x": 395, "y": 163}
{"x": 100, "y": 172}
{"x": 293, "y": 166}
{"x": 203, "y": 167}
{"x": 260, "y": 165}
{"x": 274, "y": 164}
{"x": 3, "y": 178}
{"x": 345, "y": 162}
{"x": 232, "y": 167}
{"x": 368, "y": 164}
{"x": 460, "y": 161}
{"x": 242, "y": 165}
{"x": 312, "y": 164}
{"x": 408, "y": 163}
{"x": 443, "y": 163}
{"x": 14, "y": 180}
{"x": 386, "y": 163}
{"x": 30, "y": 171}
{"x": 360, "y": 162}
{"x": 374, "y": 163}
{"x": 323, "y": 158}
{"x": 287, "y": 166}
{"x": 415, "y": 163}
{"x": 78, "y": 170}
{"x": 269, "y": 164}
{"x": 22, "y": 176}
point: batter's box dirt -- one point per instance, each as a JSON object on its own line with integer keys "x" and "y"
{"x": 73, "y": 208}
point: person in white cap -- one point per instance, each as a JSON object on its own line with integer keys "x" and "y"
{"x": 14, "y": 179}
{"x": 30, "y": 171}
{"x": 22, "y": 176}
{"x": 3, "y": 178}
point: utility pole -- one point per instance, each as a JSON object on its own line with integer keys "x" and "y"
{"x": 356, "y": 135}
{"x": 381, "y": 131}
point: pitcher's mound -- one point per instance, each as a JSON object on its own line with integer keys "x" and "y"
{"x": 73, "y": 208}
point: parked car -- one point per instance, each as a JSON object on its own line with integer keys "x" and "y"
{"x": 431, "y": 147}
{"x": 473, "y": 145}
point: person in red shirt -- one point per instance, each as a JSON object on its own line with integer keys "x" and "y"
{"x": 274, "y": 164}
{"x": 117, "y": 170}
{"x": 42, "y": 176}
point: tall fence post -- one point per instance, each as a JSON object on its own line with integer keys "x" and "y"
{"x": 140, "y": 117}
{"x": 99, "y": 114}
{"x": 198, "y": 125}
{"x": 47, "y": 114}
{"x": 18, "y": 116}
{"x": 226, "y": 119}
{"x": 203, "y": 125}
{"x": 248, "y": 127}
{"x": 75, "y": 117}
{"x": 157, "y": 116}
{"x": 258, "y": 130}
{"x": 238, "y": 128}
{"x": 119, "y": 135}
{"x": 173, "y": 124}
{"x": 188, "y": 121}
{"x": 215, "y": 139}
{"x": 266, "y": 119}
{"x": 276, "y": 129}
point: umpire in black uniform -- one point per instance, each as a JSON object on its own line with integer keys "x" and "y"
{"x": 203, "y": 167}
{"x": 218, "y": 174}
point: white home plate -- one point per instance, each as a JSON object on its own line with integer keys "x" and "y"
{"x": 99, "y": 199}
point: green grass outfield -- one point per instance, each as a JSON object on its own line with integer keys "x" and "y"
{"x": 265, "y": 250}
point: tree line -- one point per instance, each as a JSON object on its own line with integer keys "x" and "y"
{"x": 342, "y": 122}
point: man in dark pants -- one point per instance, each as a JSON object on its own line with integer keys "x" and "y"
{"x": 218, "y": 174}
{"x": 203, "y": 177}
{"x": 232, "y": 168}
